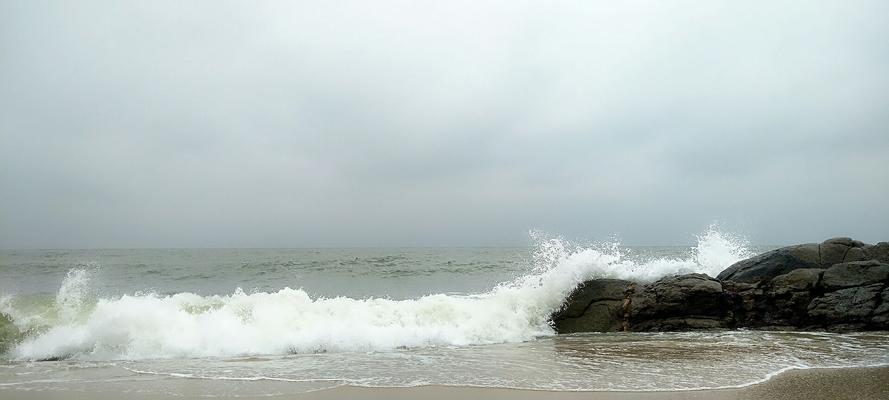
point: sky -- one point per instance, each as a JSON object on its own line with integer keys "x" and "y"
{"x": 448, "y": 123}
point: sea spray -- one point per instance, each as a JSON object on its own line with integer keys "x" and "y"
{"x": 717, "y": 249}
{"x": 184, "y": 325}
{"x": 9, "y": 333}
{"x": 74, "y": 295}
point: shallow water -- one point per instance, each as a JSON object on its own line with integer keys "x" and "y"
{"x": 252, "y": 322}
{"x": 635, "y": 361}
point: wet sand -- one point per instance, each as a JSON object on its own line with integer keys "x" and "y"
{"x": 814, "y": 384}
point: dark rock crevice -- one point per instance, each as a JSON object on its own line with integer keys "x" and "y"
{"x": 846, "y": 253}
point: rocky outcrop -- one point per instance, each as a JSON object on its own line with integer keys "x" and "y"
{"x": 840, "y": 284}
{"x": 805, "y": 286}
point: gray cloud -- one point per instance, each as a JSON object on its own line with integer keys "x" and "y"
{"x": 458, "y": 123}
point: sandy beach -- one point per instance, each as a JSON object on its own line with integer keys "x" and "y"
{"x": 813, "y": 384}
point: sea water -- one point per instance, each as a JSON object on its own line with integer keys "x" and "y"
{"x": 282, "y": 321}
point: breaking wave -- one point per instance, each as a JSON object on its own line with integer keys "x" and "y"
{"x": 149, "y": 326}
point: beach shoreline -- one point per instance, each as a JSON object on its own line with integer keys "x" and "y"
{"x": 860, "y": 383}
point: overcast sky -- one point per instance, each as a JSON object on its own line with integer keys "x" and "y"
{"x": 390, "y": 123}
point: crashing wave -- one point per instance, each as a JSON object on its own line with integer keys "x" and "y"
{"x": 147, "y": 326}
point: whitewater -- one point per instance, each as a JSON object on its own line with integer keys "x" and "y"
{"x": 259, "y": 322}
{"x": 288, "y": 321}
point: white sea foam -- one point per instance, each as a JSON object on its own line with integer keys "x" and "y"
{"x": 73, "y": 295}
{"x": 149, "y": 326}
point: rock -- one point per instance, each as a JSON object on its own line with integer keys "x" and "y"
{"x": 601, "y": 316}
{"x": 743, "y": 298}
{"x": 855, "y": 254}
{"x": 764, "y": 267}
{"x": 782, "y": 302}
{"x": 840, "y": 284}
{"x": 590, "y": 292}
{"x": 692, "y": 301}
{"x": 843, "y": 241}
{"x": 857, "y": 273}
{"x": 595, "y": 306}
{"x": 879, "y": 252}
{"x": 845, "y": 305}
{"x": 837, "y": 250}
{"x": 833, "y": 252}
{"x": 880, "y": 319}
{"x": 883, "y": 308}
{"x": 803, "y": 279}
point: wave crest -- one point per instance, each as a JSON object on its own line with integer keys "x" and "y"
{"x": 145, "y": 326}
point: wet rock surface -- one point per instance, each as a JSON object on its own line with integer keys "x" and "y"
{"x": 839, "y": 285}
{"x": 681, "y": 302}
{"x": 595, "y": 306}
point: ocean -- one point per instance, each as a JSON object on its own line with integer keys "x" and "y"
{"x": 256, "y": 322}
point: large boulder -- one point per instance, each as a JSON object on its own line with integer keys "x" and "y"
{"x": 834, "y": 251}
{"x": 681, "y": 302}
{"x": 878, "y": 252}
{"x": 798, "y": 280}
{"x": 764, "y": 267}
{"x": 880, "y": 318}
{"x": 851, "y": 295}
{"x": 782, "y": 303}
{"x": 854, "y": 305}
{"x": 856, "y": 273}
{"x": 845, "y": 296}
{"x": 595, "y": 306}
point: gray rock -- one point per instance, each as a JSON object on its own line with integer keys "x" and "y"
{"x": 743, "y": 298}
{"x": 764, "y": 267}
{"x": 855, "y": 254}
{"x": 857, "y": 273}
{"x": 600, "y": 316}
{"x": 842, "y": 240}
{"x": 783, "y": 301}
{"x": 803, "y": 279}
{"x": 845, "y": 305}
{"x": 838, "y": 285}
{"x": 595, "y": 306}
{"x": 883, "y": 308}
{"x": 832, "y": 253}
{"x": 691, "y": 301}
{"x": 590, "y": 292}
{"x": 836, "y": 250}
{"x": 880, "y": 319}
{"x": 805, "y": 252}
{"x": 879, "y": 252}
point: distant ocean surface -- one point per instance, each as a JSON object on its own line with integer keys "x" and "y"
{"x": 281, "y": 321}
